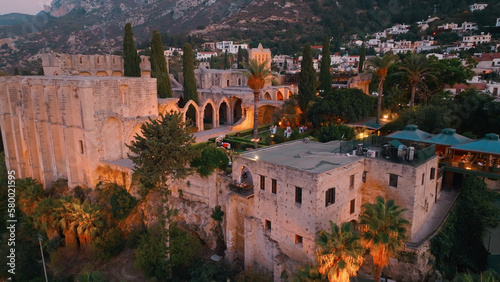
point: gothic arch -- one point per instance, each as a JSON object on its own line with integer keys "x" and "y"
{"x": 112, "y": 139}
{"x": 237, "y": 110}
{"x": 224, "y": 112}
{"x": 279, "y": 96}
{"x": 191, "y": 111}
{"x": 131, "y": 135}
{"x": 169, "y": 108}
{"x": 265, "y": 114}
{"x": 209, "y": 114}
{"x": 243, "y": 174}
{"x": 267, "y": 96}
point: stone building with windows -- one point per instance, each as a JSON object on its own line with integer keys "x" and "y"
{"x": 298, "y": 187}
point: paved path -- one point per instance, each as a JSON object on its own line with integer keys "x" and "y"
{"x": 437, "y": 215}
{"x": 202, "y": 136}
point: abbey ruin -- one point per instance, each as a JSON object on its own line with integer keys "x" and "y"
{"x": 74, "y": 123}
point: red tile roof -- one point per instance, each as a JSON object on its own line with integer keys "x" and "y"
{"x": 478, "y": 86}
{"x": 488, "y": 57}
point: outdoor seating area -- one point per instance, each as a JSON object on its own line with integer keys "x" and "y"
{"x": 459, "y": 152}
{"x": 242, "y": 185}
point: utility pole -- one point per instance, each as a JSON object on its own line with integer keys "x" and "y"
{"x": 43, "y": 259}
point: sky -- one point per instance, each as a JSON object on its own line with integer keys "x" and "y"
{"x": 22, "y": 6}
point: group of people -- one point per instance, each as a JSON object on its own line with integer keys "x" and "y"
{"x": 288, "y": 130}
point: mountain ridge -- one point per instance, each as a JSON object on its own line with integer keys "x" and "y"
{"x": 284, "y": 26}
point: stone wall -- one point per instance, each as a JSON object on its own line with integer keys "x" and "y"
{"x": 61, "y": 127}
{"x": 55, "y": 64}
{"x": 418, "y": 199}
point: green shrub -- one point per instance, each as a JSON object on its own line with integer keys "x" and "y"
{"x": 109, "y": 244}
{"x": 209, "y": 271}
{"x": 150, "y": 254}
{"x": 121, "y": 203}
{"x": 335, "y": 132}
{"x": 210, "y": 159}
{"x": 278, "y": 138}
{"x": 116, "y": 200}
{"x": 458, "y": 251}
{"x": 54, "y": 244}
{"x": 184, "y": 251}
{"x": 133, "y": 237}
{"x": 94, "y": 276}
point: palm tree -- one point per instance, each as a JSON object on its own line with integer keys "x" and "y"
{"x": 31, "y": 192}
{"x": 307, "y": 273}
{"x": 46, "y": 217}
{"x": 257, "y": 75}
{"x": 87, "y": 222}
{"x": 381, "y": 66}
{"x": 383, "y": 231}
{"x": 67, "y": 213}
{"x": 418, "y": 68}
{"x": 340, "y": 253}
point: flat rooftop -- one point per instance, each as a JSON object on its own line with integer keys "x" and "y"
{"x": 303, "y": 155}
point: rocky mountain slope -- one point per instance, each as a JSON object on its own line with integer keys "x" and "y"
{"x": 96, "y": 26}
{"x": 89, "y": 26}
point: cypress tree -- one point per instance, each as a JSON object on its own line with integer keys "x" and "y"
{"x": 325, "y": 78}
{"x": 245, "y": 56}
{"x": 189, "y": 84}
{"x": 131, "y": 61}
{"x": 159, "y": 67}
{"x": 307, "y": 78}
{"x": 362, "y": 57}
{"x": 240, "y": 58}
{"x": 226, "y": 61}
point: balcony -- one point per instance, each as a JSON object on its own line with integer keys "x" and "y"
{"x": 243, "y": 189}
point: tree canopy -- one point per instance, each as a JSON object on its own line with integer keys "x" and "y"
{"x": 162, "y": 150}
{"x": 383, "y": 231}
{"x": 474, "y": 211}
{"x": 343, "y": 105}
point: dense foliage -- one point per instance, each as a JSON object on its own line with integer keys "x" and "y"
{"x": 184, "y": 253}
{"x": 211, "y": 158}
{"x": 474, "y": 211}
{"x": 334, "y": 132}
{"x": 343, "y": 105}
{"x": 468, "y": 111}
{"x": 162, "y": 151}
{"x": 109, "y": 244}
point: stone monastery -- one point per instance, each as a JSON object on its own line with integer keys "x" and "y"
{"x": 74, "y": 122}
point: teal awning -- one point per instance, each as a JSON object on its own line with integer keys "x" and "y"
{"x": 490, "y": 144}
{"x": 449, "y": 137}
{"x": 412, "y": 133}
{"x": 395, "y": 143}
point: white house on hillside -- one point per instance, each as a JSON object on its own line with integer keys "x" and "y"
{"x": 477, "y": 7}
{"x": 230, "y": 47}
